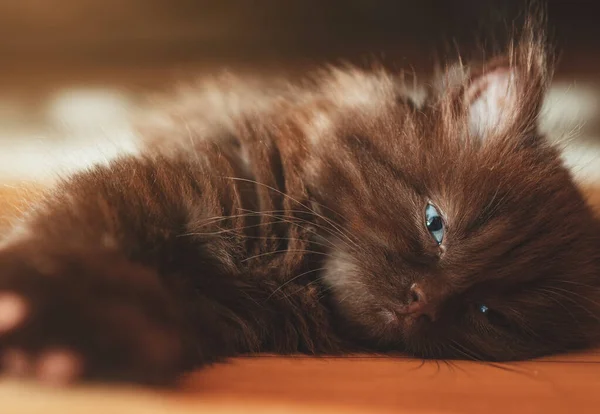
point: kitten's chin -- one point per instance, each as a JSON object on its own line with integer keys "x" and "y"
{"x": 399, "y": 327}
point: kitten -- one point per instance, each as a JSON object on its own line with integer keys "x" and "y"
{"x": 331, "y": 216}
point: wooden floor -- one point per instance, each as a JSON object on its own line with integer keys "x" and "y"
{"x": 266, "y": 384}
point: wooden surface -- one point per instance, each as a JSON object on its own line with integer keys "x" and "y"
{"x": 266, "y": 384}
{"x": 341, "y": 385}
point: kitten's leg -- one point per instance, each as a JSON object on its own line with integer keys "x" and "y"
{"x": 99, "y": 283}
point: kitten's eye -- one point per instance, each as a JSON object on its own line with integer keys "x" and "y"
{"x": 434, "y": 223}
{"x": 493, "y": 317}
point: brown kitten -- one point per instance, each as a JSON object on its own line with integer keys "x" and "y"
{"x": 331, "y": 216}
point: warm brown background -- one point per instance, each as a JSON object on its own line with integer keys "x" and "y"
{"x": 119, "y": 32}
{"x": 42, "y": 40}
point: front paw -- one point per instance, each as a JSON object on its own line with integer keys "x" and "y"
{"x": 85, "y": 316}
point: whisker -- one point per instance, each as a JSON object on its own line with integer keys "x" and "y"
{"x": 289, "y": 239}
{"x": 576, "y": 294}
{"x": 284, "y": 251}
{"x": 421, "y": 365}
{"x": 562, "y": 293}
{"x": 572, "y": 282}
{"x": 211, "y": 220}
{"x": 224, "y": 231}
{"x": 457, "y": 347}
{"x": 292, "y": 280}
{"x": 324, "y": 290}
{"x": 287, "y": 196}
{"x": 333, "y": 224}
{"x": 311, "y": 223}
{"x": 551, "y": 295}
{"x": 239, "y": 229}
{"x": 477, "y": 358}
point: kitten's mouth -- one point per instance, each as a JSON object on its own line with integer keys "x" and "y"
{"x": 409, "y": 322}
{"x": 400, "y": 319}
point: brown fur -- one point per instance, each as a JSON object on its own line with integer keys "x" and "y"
{"x": 291, "y": 219}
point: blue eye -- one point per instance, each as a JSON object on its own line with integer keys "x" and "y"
{"x": 495, "y": 318}
{"x": 434, "y": 223}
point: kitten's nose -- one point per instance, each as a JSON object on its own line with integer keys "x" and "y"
{"x": 418, "y": 303}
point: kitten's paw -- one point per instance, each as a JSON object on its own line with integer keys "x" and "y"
{"x": 53, "y": 366}
{"x": 88, "y": 321}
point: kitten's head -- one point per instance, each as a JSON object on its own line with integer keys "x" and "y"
{"x": 459, "y": 232}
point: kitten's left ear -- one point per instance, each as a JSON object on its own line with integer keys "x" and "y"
{"x": 492, "y": 100}
{"x": 504, "y": 96}
{"x": 505, "y": 99}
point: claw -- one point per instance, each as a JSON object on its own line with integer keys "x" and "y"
{"x": 13, "y": 310}
{"x": 58, "y": 367}
{"x": 16, "y": 363}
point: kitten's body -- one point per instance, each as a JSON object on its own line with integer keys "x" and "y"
{"x": 292, "y": 220}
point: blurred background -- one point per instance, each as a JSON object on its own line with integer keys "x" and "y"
{"x": 72, "y": 71}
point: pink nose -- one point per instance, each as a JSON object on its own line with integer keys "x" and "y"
{"x": 418, "y": 303}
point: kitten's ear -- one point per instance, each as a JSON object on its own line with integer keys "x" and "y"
{"x": 493, "y": 102}
{"x": 504, "y": 99}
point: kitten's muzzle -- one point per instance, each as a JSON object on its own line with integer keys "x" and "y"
{"x": 418, "y": 305}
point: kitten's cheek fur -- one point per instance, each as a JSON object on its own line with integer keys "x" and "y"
{"x": 355, "y": 303}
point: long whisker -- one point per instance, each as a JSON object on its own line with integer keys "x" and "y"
{"x": 285, "y": 251}
{"x": 287, "y": 196}
{"x": 478, "y": 358}
{"x": 238, "y": 229}
{"x": 281, "y": 219}
{"x": 293, "y": 218}
{"x": 577, "y": 295}
{"x": 211, "y": 220}
{"x": 525, "y": 325}
{"x": 323, "y": 290}
{"x": 551, "y": 295}
{"x": 292, "y": 280}
{"x": 251, "y": 213}
{"x": 562, "y": 293}
{"x": 312, "y": 243}
{"x": 224, "y": 231}
{"x": 460, "y": 351}
{"x": 572, "y": 282}
{"x": 316, "y": 213}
